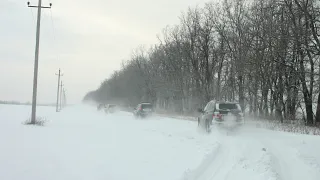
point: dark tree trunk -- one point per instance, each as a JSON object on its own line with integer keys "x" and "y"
{"x": 272, "y": 104}
{"x": 219, "y": 81}
{"x": 241, "y": 92}
{"x": 318, "y": 111}
{"x": 265, "y": 103}
{"x": 306, "y": 95}
{"x": 278, "y": 112}
{"x": 250, "y": 103}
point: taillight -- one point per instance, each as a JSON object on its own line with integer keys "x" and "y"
{"x": 219, "y": 116}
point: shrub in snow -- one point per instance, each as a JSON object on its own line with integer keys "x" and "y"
{"x": 40, "y": 121}
{"x": 287, "y": 126}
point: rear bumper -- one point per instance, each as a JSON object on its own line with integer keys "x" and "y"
{"x": 222, "y": 120}
{"x": 145, "y": 113}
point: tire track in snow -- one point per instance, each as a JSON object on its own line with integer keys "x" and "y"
{"x": 284, "y": 158}
{"x": 235, "y": 157}
{"x": 216, "y": 165}
{"x": 207, "y": 168}
{"x": 287, "y": 164}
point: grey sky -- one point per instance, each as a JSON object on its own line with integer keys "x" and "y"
{"x": 91, "y": 40}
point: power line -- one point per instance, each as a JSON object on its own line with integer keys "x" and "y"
{"x": 54, "y": 35}
{"x": 33, "y": 19}
{"x": 61, "y": 94}
{"x": 53, "y": 29}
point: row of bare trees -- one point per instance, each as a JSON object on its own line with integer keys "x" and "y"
{"x": 262, "y": 53}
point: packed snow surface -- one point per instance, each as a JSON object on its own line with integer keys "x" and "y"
{"x": 82, "y": 143}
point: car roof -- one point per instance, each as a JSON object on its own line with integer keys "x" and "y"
{"x": 224, "y": 102}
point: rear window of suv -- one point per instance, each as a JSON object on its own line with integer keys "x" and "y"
{"x": 228, "y": 106}
{"x": 144, "y": 106}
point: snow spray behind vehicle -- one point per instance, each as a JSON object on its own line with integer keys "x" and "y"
{"x": 230, "y": 120}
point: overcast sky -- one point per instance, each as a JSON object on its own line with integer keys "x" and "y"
{"x": 87, "y": 39}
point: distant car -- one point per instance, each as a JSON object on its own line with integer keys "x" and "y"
{"x": 216, "y": 112}
{"x": 110, "y": 108}
{"x": 143, "y": 110}
{"x": 100, "y": 106}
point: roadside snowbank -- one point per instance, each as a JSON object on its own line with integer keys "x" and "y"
{"x": 285, "y": 127}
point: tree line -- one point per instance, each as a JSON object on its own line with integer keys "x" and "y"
{"x": 262, "y": 53}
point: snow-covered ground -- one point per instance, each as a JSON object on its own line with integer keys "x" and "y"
{"x": 81, "y": 143}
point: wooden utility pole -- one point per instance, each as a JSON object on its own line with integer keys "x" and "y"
{"x": 57, "y": 104}
{"x": 35, "y": 71}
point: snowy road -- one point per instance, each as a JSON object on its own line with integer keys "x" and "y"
{"x": 261, "y": 154}
{"x": 80, "y": 143}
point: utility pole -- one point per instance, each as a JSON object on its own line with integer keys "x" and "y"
{"x": 57, "y": 104}
{"x": 61, "y": 85}
{"x": 35, "y": 71}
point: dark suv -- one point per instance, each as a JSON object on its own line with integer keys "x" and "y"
{"x": 218, "y": 112}
{"x": 143, "y": 110}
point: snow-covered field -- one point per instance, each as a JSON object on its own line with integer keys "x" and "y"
{"x": 81, "y": 143}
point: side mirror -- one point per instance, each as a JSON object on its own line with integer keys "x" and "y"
{"x": 200, "y": 110}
